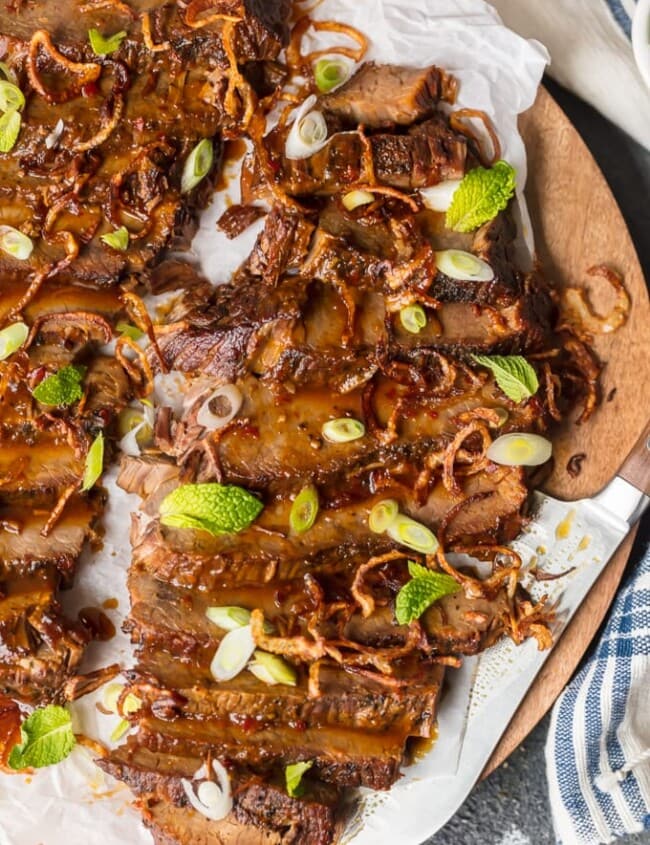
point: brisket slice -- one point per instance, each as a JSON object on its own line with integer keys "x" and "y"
{"x": 425, "y": 155}
{"x": 258, "y": 803}
{"x": 379, "y": 96}
{"x": 342, "y": 756}
{"x": 345, "y": 698}
{"x": 268, "y": 550}
{"x": 280, "y": 441}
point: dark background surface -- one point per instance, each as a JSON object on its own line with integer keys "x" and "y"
{"x": 511, "y": 807}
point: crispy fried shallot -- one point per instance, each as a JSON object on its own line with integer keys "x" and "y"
{"x": 579, "y": 317}
{"x": 82, "y": 73}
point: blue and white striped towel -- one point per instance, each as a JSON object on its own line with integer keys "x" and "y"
{"x": 598, "y": 748}
{"x": 591, "y": 54}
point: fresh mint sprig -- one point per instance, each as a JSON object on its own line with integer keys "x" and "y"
{"x": 46, "y": 738}
{"x": 513, "y": 374}
{"x": 424, "y": 588}
{"x": 482, "y": 194}
{"x": 216, "y": 508}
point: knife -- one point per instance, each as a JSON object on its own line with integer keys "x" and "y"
{"x": 576, "y": 539}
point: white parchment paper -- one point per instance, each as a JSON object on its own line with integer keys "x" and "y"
{"x": 74, "y": 802}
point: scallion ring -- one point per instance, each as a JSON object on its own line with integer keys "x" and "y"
{"x": 330, "y": 73}
{"x": 10, "y": 123}
{"x": 439, "y": 197}
{"x": 94, "y": 463}
{"x": 520, "y": 449}
{"x": 11, "y": 97}
{"x": 197, "y": 165}
{"x": 234, "y": 652}
{"x": 12, "y": 338}
{"x": 220, "y": 408}
{"x": 308, "y": 133}
{"x": 343, "y": 430}
{"x": 272, "y": 669}
{"x": 383, "y": 515}
{"x": 463, "y": 266}
{"x": 15, "y": 243}
{"x": 229, "y": 618}
{"x": 407, "y": 532}
{"x": 413, "y": 318}
{"x": 304, "y": 510}
{"x": 354, "y": 199}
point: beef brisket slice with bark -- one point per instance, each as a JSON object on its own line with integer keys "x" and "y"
{"x": 384, "y": 95}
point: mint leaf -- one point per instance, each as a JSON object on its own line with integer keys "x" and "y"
{"x": 216, "y": 508}
{"x": 47, "y": 738}
{"x": 293, "y": 775}
{"x": 482, "y": 194}
{"x": 512, "y": 373}
{"x": 424, "y": 588}
{"x": 62, "y": 388}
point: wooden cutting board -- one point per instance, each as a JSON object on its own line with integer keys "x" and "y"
{"x": 577, "y": 225}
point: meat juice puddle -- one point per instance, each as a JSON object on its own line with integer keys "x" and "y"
{"x": 419, "y": 746}
{"x": 97, "y": 623}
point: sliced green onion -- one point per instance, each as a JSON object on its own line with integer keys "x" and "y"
{"x": 12, "y": 338}
{"x": 308, "y": 133}
{"x": 119, "y": 239}
{"x": 330, "y": 73}
{"x": 120, "y": 729}
{"x": 103, "y": 45}
{"x": 15, "y": 243}
{"x": 463, "y": 266}
{"x": 438, "y": 197}
{"x": 272, "y": 669}
{"x": 304, "y": 509}
{"x": 229, "y": 618}
{"x": 131, "y": 704}
{"x": 503, "y": 416}
{"x": 383, "y": 515}
{"x": 112, "y": 692}
{"x": 343, "y": 430}
{"x": 94, "y": 463}
{"x": 11, "y": 97}
{"x": 354, "y": 199}
{"x": 407, "y": 532}
{"x": 7, "y": 72}
{"x": 518, "y": 449}
{"x": 130, "y": 331}
{"x": 10, "y": 124}
{"x": 413, "y": 318}
{"x": 234, "y": 652}
{"x": 197, "y": 166}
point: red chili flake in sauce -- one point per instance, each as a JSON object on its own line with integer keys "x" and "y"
{"x": 90, "y": 89}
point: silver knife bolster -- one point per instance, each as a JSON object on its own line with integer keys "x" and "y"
{"x": 623, "y": 500}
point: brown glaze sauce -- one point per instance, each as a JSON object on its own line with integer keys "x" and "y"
{"x": 233, "y": 151}
{"x": 110, "y": 604}
{"x": 97, "y": 623}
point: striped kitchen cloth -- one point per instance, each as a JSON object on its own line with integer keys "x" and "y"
{"x": 591, "y": 54}
{"x": 598, "y": 747}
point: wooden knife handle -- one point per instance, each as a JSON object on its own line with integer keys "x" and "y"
{"x": 636, "y": 468}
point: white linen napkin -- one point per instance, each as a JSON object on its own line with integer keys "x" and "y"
{"x": 591, "y": 52}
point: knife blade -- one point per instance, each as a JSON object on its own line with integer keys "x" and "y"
{"x": 575, "y": 539}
